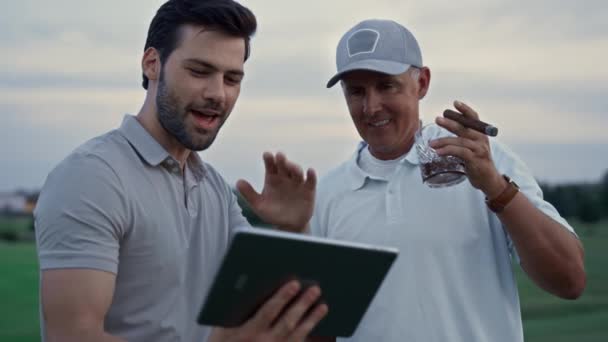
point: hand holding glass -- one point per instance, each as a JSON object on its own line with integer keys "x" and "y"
{"x": 437, "y": 171}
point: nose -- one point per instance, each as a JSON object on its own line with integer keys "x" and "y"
{"x": 214, "y": 90}
{"x": 371, "y": 103}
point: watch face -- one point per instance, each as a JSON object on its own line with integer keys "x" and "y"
{"x": 515, "y": 184}
{"x": 509, "y": 180}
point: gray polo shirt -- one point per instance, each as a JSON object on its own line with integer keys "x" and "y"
{"x": 120, "y": 203}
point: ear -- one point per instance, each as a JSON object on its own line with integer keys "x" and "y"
{"x": 150, "y": 64}
{"x": 424, "y": 81}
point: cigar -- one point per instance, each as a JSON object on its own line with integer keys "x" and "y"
{"x": 477, "y": 125}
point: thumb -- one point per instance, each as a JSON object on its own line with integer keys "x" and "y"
{"x": 311, "y": 179}
{"x": 248, "y": 193}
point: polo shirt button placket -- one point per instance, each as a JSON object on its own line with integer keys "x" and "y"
{"x": 191, "y": 208}
{"x": 172, "y": 166}
{"x": 389, "y": 202}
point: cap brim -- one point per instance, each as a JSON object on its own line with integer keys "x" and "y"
{"x": 385, "y": 67}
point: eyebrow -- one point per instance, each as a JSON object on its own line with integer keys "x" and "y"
{"x": 388, "y": 78}
{"x": 204, "y": 64}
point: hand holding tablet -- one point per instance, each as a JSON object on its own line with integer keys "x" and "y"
{"x": 260, "y": 262}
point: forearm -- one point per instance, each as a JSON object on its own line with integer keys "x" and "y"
{"x": 550, "y": 254}
{"x": 320, "y": 339}
{"x": 83, "y": 335}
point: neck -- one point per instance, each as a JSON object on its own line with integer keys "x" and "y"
{"x": 148, "y": 118}
{"x": 403, "y": 149}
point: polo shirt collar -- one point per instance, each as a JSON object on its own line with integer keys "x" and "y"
{"x": 356, "y": 177}
{"x": 151, "y": 151}
{"x": 145, "y": 145}
{"x": 196, "y": 165}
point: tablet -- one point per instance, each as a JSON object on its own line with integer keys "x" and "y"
{"x": 259, "y": 261}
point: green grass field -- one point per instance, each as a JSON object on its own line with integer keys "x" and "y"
{"x": 546, "y": 318}
{"x": 18, "y": 293}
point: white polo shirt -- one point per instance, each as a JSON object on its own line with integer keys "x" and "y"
{"x": 453, "y": 279}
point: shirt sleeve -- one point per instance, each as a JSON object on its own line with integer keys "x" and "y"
{"x": 81, "y": 216}
{"x": 318, "y": 223}
{"x": 508, "y": 163}
{"x": 316, "y": 229}
{"x": 237, "y": 220}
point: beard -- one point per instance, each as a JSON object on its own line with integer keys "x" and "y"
{"x": 172, "y": 118}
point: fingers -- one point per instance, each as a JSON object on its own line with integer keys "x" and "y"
{"x": 311, "y": 179}
{"x": 466, "y": 110}
{"x": 270, "y": 163}
{"x": 279, "y": 165}
{"x": 439, "y": 144}
{"x": 457, "y": 151}
{"x": 269, "y": 312}
{"x": 289, "y": 169}
{"x": 291, "y": 320}
{"x": 287, "y": 319}
{"x": 466, "y": 137}
{"x": 468, "y": 144}
{"x": 466, "y": 149}
{"x": 248, "y": 193}
{"x": 218, "y": 334}
{"x": 295, "y": 172}
{"x": 460, "y": 130}
{"x": 309, "y": 322}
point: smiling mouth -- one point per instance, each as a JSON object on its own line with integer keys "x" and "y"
{"x": 205, "y": 112}
{"x": 205, "y": 119}
{"x": 380, "y": 123}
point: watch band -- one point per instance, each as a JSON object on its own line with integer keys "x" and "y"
{"x": 498, "y": 203}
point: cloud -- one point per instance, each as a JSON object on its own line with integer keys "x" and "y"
{"x": 65, "y": 80}
{"x": 70, "y": 69}
{"x": 559, "y": 163}
{"x": 113, "y": 22}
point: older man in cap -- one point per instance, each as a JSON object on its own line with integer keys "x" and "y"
{"x": 453, "y": 280}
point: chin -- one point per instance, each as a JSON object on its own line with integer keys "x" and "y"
{"x": 376, "y": 146}
{"x": 203, "y": 143}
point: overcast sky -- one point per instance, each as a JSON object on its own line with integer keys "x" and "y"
{"x": 70, "y": 70}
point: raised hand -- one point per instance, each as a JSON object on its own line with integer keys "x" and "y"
{"x": 288, "y": 197}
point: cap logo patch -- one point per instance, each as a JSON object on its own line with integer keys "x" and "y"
{"x": 362, "y": 41}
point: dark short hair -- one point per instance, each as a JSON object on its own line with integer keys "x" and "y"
{"x": 227, "y": 16}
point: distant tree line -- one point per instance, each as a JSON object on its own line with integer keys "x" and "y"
{"x": 587, "y": 202}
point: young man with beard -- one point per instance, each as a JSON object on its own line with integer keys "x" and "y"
{"x": 453, "y": 279}
{"x": 132, "y": 224}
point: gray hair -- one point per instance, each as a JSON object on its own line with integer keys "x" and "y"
{"x": 414, "y": 73}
